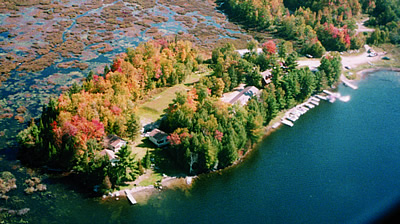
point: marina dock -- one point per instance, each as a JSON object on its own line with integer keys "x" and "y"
{"x": 294, "y": 113}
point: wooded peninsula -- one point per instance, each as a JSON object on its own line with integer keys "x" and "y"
{"x": 205, "y": 133}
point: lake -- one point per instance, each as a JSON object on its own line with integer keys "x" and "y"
{"x": 338, "y": 164}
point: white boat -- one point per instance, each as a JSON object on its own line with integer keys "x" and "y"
{"x": 292, "y": 117}
{"x": 309, "y": 105}
{"x": 314, "y": 98}
{"x": 321, "y": 97}
{"x": 344, "y": 98}
{"x": 331, "y": 99}
{"x": 288, "y": 123}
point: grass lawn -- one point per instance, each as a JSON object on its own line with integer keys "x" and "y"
{"x": 155, "y": 106}
{"x": 141, "y": 148}
{"x": 154, "y": 177}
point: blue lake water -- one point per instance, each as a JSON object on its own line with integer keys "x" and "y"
{"x": 338, "y": 164}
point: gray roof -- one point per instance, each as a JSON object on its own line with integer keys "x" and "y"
{"x": 245, "y": 95}
{"x": 158, "y": 134}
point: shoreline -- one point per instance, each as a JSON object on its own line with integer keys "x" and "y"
{"x": 367, "y": 71}
{"x": 142, "y": 194}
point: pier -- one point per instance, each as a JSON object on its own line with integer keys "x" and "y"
{"x": 130, "y": 197}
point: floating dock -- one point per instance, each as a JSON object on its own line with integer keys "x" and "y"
{"x": 294, "y": 113}
{"x": 130, "y": 197}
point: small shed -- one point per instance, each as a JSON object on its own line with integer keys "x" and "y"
{"x": 158, "y": 137}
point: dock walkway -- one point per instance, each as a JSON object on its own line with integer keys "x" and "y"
{"x": 130, "y": 197}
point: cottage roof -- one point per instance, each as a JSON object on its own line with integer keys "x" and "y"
{"x": 113, "y": 140}
{"x": 158, "y": 134}
{"x": 245, "y": 95}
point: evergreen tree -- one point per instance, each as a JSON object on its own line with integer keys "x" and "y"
{"x": 132, "y": 126}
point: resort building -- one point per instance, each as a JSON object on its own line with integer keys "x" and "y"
{"x": 158, "y": 137}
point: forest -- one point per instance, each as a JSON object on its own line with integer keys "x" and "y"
{"x": 318, "y": 26}
{"x": 69, "y": 134}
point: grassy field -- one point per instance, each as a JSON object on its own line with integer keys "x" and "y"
{"x": 154, "y": 107}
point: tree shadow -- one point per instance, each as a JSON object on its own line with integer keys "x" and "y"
{"x": 164, "y": 164}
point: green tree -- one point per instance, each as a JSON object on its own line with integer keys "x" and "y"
{"x": 132, "y": 126}
{"x": 125, "y": 168}
{"x": 147, "y": 160}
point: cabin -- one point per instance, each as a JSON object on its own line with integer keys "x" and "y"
{"x": 245, "y": 95}
{"x": 266, "y": 77}
{"x": 114, "y": 143}
{"x": 158, "y": 137}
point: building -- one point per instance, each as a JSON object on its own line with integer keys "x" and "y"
{"x": 158, "y": 137}
{"x": 266, "y": 77}
{"x": 114, "y": 142}
{"x": 245, "y": 95}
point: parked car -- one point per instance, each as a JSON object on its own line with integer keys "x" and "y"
{"x": 347, "y": 67}
{"x": 309, "y": 56}
{"x": 385, "y": 58}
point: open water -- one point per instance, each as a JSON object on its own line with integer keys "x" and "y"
{"x": 338, "y": 164}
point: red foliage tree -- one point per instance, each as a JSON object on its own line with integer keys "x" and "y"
{"x": 174, "y": 139}
{"x": 269, "y": 47}
{"x": 218, "y": 135}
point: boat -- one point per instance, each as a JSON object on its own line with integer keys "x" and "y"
{"x": 309, "y": 105}
{"x": 321, "y": 97}
{"x": 288, "y": 123}
{"x": 344, "y": 98}
{"x": 331, "y": 99}
{"x": 292, "y": 117}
